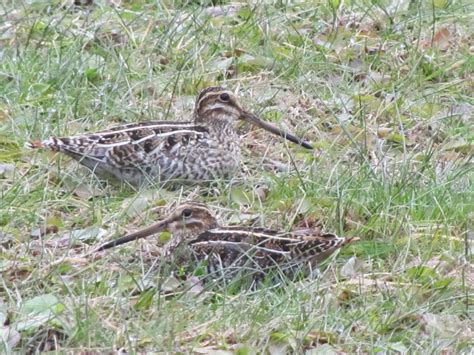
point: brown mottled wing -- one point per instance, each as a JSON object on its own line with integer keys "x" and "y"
{"x": 130, "y": 145}
{"x": 259, "y": 248}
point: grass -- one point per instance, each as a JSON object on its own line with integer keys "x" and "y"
{"x": 385, "y": 95}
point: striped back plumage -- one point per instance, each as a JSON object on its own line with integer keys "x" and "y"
{"x": 229, "y": 250}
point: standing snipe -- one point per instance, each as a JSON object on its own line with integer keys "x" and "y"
{"x": 202, "y": 150}
{"x": 237, "y": 249}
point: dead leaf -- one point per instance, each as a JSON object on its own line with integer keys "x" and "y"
{"x": 73, "y": 261}
{"x": 9, "y": 337}
{"x": 275, "y": 165}
{"x": 399, "y": 348}
{"x": 87, "y": 191}
{"x": 446, "y": 326}
{"x": 194, "y": 285}
{"x": 440, "y": 40}
{"x": 316, "y": 338}
{"x": 463, "y": 110}
{"x": 136, "y": 206}
{"x": 249, "y": 63}
{"x": 349, "y": 268}
{"x": 171, "y": 284}
{"x": 7, "y": 171}
{"x": 278, "y": 348}
{"x": 460, "y": 145}
{"x": 87, "y": 234}
{"x": 378, "y": 78}
{"x": 384, "y": 132}
{"x": 224, "y": 10}
{"x": 260, "y": 191}
{"x": 222, "y": 64}
{"x": 324, "y": 349}
{"x": 3, "y": 312}
{"x": 42, "y": 231}
{"x": 236, "y": 52}
{"x": 242, "y": 218}
{"x": 4, "y": 114}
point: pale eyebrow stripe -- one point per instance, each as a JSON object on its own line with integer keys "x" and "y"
{"x": 258, "y": 234}
{"x": 160, "y": 135}
{"x": 151, "y": 126}
{"x": 167, "y": 134}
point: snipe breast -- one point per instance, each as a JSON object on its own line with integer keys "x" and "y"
{"x": 205, "y": 149}
{"x": 230, "y": 250}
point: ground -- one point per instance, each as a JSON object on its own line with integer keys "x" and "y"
{"x": 382, "y": 89}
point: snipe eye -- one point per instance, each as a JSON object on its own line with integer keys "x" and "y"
{"x": 224, "y": 97}
{"x": 187, "y": 212}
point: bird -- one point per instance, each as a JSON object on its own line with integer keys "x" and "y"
{"x": 227, "y": 251}
{"x": 206, "y": 149}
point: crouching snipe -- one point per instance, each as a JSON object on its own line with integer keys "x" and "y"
{"x": 227, "y": 251}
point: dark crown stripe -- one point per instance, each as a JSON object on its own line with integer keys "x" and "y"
{"x": 193, "y": 205}
{"x": 208, "y": 98}
{"x": 197, "y": 208}
{"x": 207, "y": 90}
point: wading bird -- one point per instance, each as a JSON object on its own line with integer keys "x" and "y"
{"x": 231, "y": 250}
{"x": 197, "y": 151}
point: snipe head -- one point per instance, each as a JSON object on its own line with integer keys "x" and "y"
{"x": 216, "y": 106}
{"x": 187, "y": 220}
